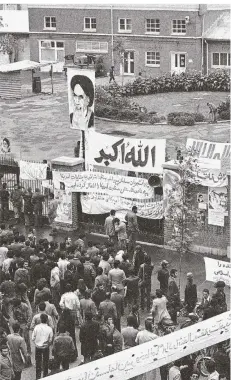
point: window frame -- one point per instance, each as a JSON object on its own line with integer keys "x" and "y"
{"x": 55, "y": 48}
{"x": 152, "y": 64}
{"x": 89, "y": 29}
{"x": 146, "y": 22}
{"x": 228, "y": 55}
{"x": 50, "y": 27}
{"x": 125, "y": 24}
{"x": 178, "y": 32}
{"x": 85, "y": 50}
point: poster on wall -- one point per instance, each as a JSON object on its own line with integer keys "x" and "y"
{"x": 217, "y": 270}
{"x": 32, "y": 170}
{"x": 138, "y": 155}
{"x": 64, "y": 210}
{"x": 94, "y": 203}
{"x": 171, "y": 189}
{"x": 81, "y": 93}
{"x": 218, "y": 205}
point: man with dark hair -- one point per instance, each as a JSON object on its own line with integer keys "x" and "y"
{"x": 163, "y": 276}
{"x": 88, "y": 336}
{"x": 108, "y": 307}
{"x": 18, "y": 351}
{"x": 63, "y": 348}
{"x": 89, "y": 273}
{"x": 138, "y": 258}
{"x": 104, "y": 264}
{"x": 42, "y": 337}
{"x": 99, "y": 295}
{"x": 22, "y": 314}
{"x": 129, "y": 333}
{"x": 132, "y": 229}
{"x": 118, "y": 300}
{"x": 116, "y": 277}
{"x": 211, "y": 368}
{"x": 190, "y": 293}
{"x": 16, "y": 199}
{"x": 22, "y": 273}
{"x": 6, "y": 365}
{"x": 27, "y": 251}
{"x": 37, "y": 202}
{"x": 159, "y": 307}
{"x": 101, "y": 279}
{"x": 87, "y": 305}
{"x": 109, "y": 226}
{"x": 28, "y": 207}
{"x": 4, "y": 201}
{"x": 37, "y": 317}
{"x": 70, "y": 300}
{"x": 173, "y": 295}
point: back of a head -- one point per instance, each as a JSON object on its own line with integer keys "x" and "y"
{"x": 147, "y": 259}
{"x": 16, "y": 302}
{"x": 210, "y": 365}
{"x": 159, "y": 293}
{"x": 105, "y": 256}
{"x": 44, "y": 318}
{"x": 112, "y": 212}
{"x": 16, "y": 327}
{"x": 68, "y": 288}
{"x": 42, "y": 306}
{"x": 134, "y": 209}
{"x": 99, "y": 271}
{"x": 173, "y": 272}
{"x": 62, "y": 328}
{"x": 108, "y": 295}
{"x": 130, "y": 320}
{"x": 90, "y": 244}
{"x": 116, "y": 263}
{"x": 148, "y": 325}
{"x": 3, "y": 226}
{"x": 88, "y": 316}
{"x": 87, "y": 294}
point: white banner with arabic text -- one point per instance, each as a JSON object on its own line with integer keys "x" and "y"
{"x": 94, "y": 203}
{"x": 210, "y": 177}
{"x": 32, "y": 170}
{"x": 208, "y": 151}
{"x": 96, "y": 182}
{"x": 217, "y": 270}
{"x": 138, "y": 155}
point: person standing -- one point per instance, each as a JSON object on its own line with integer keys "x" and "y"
{"x": 22, "y": 314}
{"x": 42, "y": 336}
{"x": 132, "y": 294}
{"x": 174, "y": 371}
{"x": 55, "y": 285}
{"x": 52, "y": 212}
{"x": 159, "y": 307}
{"x": 16, "y": 199}
{"x": 190, "y": 298}
{"x": 132, "y": 229}
{"x": 173, "y": 295}
{"x": 70, "y": 300}
{"x": 212, "y": 112}
{"x": 63, "y": 348}
{"x": 37, "y": 202}
{"x": 88, "y": 336}
{"x": 109, "y": 226}
{"x": 18, "y": 352}
{"x": 163, "y": 276}
{"x": 6, "y": 365}
{"x": 4, "y": 202}
{"x": 129, "y": 334}
{"x": 108, "y": 308}
{"x": 28, "y": 207}
{"x": 145, "y": 276}
{"x": 120, "y": 229}
{"x": 111, "y": 74}
{"x": 138, "y": 258}
{"x": 118, "y": 300}
{"x": 87, "y": 305}
{"x": 116, "y": 277}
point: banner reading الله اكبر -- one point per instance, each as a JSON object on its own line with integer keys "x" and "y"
{"x": 81, "y": 94}
{"x": 217, "y": 270}
{"x": 138, "y": 155}
{"x": 208, "y": 150}
{"x": 96, "y": 182}
{"x": 94, "y": 203}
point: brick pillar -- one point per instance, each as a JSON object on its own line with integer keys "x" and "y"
{"x": 69, "y": 164}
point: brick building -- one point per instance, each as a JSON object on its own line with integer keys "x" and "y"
{"x": 155, "y": 39}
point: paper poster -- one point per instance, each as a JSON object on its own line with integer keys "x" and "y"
{"x": 81, "y": 94}
{"x": 208, "y": 151}
{"x": 210, "y": 177}
{"x": 64, "y": 210}
{"x": 94, "y": 203}
{"x": 171, "y": 189}
{"x": 138, "y": 155}
{"x": 218, "y": 206}
{"x": 217, "y": 270}
{"x": 33, "y": 170}
{"x": 96, "y": 182}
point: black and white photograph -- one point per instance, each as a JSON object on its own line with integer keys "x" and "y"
{"x": 115, "y": 190}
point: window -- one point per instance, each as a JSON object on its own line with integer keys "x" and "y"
{"x": 152, "y": 58}
{"x": 221, "y": 59}
{"x": 50, "y": 23}
{"x": 125, "y": 25}
{"x": 90, "y": 24}
{"x": 51, "y": 51}
{"x": 178, "y": 26}
{"x": 91, "y": 47}
{"x": 152, "y": 25}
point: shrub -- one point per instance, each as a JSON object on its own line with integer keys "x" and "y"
{"x": 183, "y": 120}
{"x": 156, "y": 119}
{"x": 173, "y": 115}
{"x": 198, "y": 117}
{"x": 224, "y": 115}
{"x": 224, "y": 109}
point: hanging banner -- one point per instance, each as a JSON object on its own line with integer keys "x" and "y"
{"x": 217, "y": 270}
{"x": 96, "y": 182}
{"x": 94, "y": 203}
{"x": 138, "y": 155}
{"x": 64, "y": 210}
{"x": 171, "y": 189}
{"x": 210, "y": 177}
{"x": 151, "y": 355}
{"x": 32, "y": 170}
{"x": 81, "y": 93}
{"x": 208, "y": 150}
{"x": 218, "y": 206}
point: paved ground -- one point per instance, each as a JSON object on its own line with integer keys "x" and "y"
{"x": 38, "y": 126}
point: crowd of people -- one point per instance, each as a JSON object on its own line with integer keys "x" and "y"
{"x": 58, "y": 297}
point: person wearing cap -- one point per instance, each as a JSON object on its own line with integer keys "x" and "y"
{"x": 120, "y": 229}
{"x": 163, "y": 276}
{"x": 190, "y": 293}
{"x": 37, "y": 202}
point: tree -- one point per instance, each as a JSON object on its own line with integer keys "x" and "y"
{"x": 119, "y": 47}
{"x": 10, "y": 45}
{"x": 180, "y": 211}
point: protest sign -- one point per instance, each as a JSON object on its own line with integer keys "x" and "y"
{"x": 139, "y": 155}
{"x": 154, "y": 354}
{"x": 208, "y": 150}
{"x": 94, "y": 203}
{"x": 210, "y": 177}
{"x": 64, "y": 209}
{"x": 218, "y": 205}
{"x": 96, "y": 182}
{"x": 217, "y": 270}
{"x": 32, "y": 170}
{"x": 81, "y": 85}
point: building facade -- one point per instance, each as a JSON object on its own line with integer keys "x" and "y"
{"x": 146, "y": 40}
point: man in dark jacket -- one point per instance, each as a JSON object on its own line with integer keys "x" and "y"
{"x": 118, "y": 300}
{"x": 88, "y": 336}
{"x": 37, "y": 202}
{"x": 89, "y": 273}
{"x": 138, "y": 258}
{"x": 99, "y": 295}
{"x": 28, "y": 207}
{"x": 190, "y": 293}
{"x": 163, "y": 276}
{"x": 4, "y": 201}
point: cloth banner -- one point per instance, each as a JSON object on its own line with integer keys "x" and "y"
{"x": 217, "y": 270}
{"x": 218, "y": 206}
{"x": 154, "y": 354}
{"x": 209, "y": 151}
{"x": 171, "y": 189}
{"x": 81, "y": 84}
{"x": 96, "y": 182}
{"x": 33, "y": 170}
{"x": 138, "y": 155}
{"x": 64, "y": 209}
{"x": 94, "y": 203}
{"x": 211, "y": 177}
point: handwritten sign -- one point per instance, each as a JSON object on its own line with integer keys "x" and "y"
{"x": 218, "y": 205}
{"x": 217, "y": 270}
{"x": 209, "y": 150}
{"x": 96, "y": 182}
{"x": 151, "y": 355}
{"x": 94, "y": 203}
{"x": 33, "y": 170}
{"x": 210, "y": 177}
{"x": 139, "y": 155}
{"x": 64, "y": 209}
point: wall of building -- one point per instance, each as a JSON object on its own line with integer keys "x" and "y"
{"x": 217, "y": 47}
